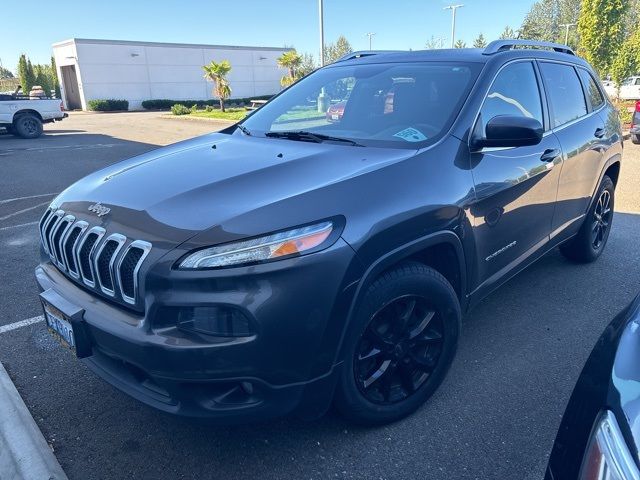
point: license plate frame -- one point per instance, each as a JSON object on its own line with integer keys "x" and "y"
{"x": 59, "y": 326}
{"x": 65, "y": 323}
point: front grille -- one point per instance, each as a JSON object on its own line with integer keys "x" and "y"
{"x": 108, "y": 264}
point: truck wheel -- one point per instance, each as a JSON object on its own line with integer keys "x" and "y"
{"x": 28, "y": 125}
{"x": 592, "y": 237}
{"x": 635, "y": 138}
{"x": 400, "y": 346}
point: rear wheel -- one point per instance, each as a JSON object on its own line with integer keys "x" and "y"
{"x": 592, "y": 237}
{"x": 401, "y": 345}
{"x": 27, "y": 125}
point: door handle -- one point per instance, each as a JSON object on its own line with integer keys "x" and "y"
{"x": 549, "y": 155}
{"x": 599, "y": 133}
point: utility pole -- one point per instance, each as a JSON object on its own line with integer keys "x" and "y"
{"x": 369, "y": 35}
{"x": 453, "y": 9}
{"x": 567, "y": 26}
{"x": 321, "y": 14}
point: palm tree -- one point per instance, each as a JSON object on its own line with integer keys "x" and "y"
{"x": 217, "y": 73}
{"x": 291, "y": 61}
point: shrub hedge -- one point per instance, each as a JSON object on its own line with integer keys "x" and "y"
{"x": 179, "y": 109}
{"x": 108, "y": 105}
{"x": 166, "y": 104}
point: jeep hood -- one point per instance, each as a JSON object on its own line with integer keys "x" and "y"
{"x": 175, "y": 192}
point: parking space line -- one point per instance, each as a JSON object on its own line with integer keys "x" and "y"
{"x": 18, "y": 226}
{"x": 21, "y": 323}
{"x": 9, "y": 200}
{"x": 23, "y": 211}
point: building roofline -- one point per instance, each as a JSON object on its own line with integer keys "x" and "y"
{"x": 162, "y": 44}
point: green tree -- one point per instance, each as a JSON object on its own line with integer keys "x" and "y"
{"x": 334, "y": 51}
{"x": 26, "y": 74}
{"x": 543, "y": 21}
{"x": 627, "y": 61}
{"x": 480, "y": 42}
{"x": 507, "y": 33}
{"x": 5, "y": 73}
{"x": 433, "y": 43}
{"x": 601, "y": 28}
{"x": 290, "y": 60}
{"x": 43, "y": 78}
{"x": 217, "y": 73}
{"x": 460, "y": 44}
{"x": 54, "y": 78}
{"x": 307, "y": 65}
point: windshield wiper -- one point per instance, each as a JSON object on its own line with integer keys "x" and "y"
{"x": 304, "y": 136}
{"x": 244, "y": 130}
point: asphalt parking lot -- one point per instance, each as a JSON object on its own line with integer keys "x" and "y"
{"x": 495, "y": 416}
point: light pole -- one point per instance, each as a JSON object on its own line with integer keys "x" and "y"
{"x": 567, "y": 26}
{"x": 321, "y": 15}
{"x": 369, "y": 35}
{"x": 453, "y": 9}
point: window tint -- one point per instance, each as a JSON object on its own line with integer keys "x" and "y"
{"x": 593, "y": 92}
{"x": 514, "y": 92}
{"x": 565, "y": 93}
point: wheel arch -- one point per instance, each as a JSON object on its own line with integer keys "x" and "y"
{"x": 26, "y": 111}
{"x": 611, "y": 167}
{"x": 441, "y": 251}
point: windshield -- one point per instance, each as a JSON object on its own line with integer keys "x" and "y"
{"x": 406, "y": 105}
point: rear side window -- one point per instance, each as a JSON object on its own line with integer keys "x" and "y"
{"x": 513, "y": 92}
{"x": 594, "y": 95}
{"x": 564, "y": 91}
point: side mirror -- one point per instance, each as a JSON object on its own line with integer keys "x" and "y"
{"x": 510, "y": 131}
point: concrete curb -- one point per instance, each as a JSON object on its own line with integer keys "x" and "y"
{"x": 24, "y": 453}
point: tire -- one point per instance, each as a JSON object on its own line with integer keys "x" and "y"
{"x": 589, "y": 242}
{"x": 413, "y": 314}
{"x": 635, "y": 138}
{"x": 27, "y": 125}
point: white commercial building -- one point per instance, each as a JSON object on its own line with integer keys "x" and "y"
{"x": 137, "y": 71}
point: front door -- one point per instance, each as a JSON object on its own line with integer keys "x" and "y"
{"x": 515, "y": 187}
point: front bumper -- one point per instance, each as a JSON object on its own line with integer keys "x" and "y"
{"x": 298, "y": 307}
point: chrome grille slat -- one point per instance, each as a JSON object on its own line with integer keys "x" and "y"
{"x": 85, "y": 253}
{"x": 57, "y": 218}
{"x": 119, "y": 240}
{"x": 89, "y": 276}
{"x": 146, "y": 248}
{"x": 69, "y": 251}
{"x": 41, "y": 225}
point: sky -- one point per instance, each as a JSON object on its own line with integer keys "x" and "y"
{"x": 397, "y": 24}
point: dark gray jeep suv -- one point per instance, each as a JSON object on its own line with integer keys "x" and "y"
{"x": 294, "y": 260}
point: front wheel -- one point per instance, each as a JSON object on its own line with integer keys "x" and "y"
{"x": 400, "y": 346}
{"x": 589, "y": 242}
{"x": 27, "y": 125}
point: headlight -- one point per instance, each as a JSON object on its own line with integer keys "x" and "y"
{"x": 607, "y": 456}
{"x": 270, "y": 247}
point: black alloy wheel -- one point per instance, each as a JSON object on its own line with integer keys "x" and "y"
{"x": 602, "y": 219}
{"x": 399, "y": 350}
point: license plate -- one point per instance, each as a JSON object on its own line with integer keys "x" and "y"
{"x": 335, "y": 116}
{"x": 59, "y": 326}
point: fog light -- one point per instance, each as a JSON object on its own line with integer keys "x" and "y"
{"x": 218, "y": 320}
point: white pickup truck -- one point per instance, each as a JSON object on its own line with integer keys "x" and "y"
{"x": 23, "y": 116}
{"x": 630, "y": 88}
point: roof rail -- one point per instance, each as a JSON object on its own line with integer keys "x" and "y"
{"x": 502, "y": 45}
{"x": 364, "y": 53}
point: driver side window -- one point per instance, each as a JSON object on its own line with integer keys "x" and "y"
{"x": 513, "y": 92}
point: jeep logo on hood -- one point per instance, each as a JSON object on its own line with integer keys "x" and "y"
{"x": 99, "y": 209}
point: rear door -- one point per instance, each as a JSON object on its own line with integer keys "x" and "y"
{"x": 515, "y": 187}
{"x": 580, "y": 131}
